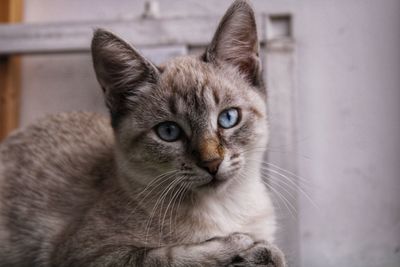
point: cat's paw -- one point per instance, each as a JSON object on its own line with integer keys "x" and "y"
{"x": 261, "y": 254}
{"x": 222, "y": 250}
{"x": 236, "y": 242}
{"x": 240, "y": 241}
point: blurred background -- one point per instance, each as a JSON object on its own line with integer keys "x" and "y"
{"x": 332, "y": 70}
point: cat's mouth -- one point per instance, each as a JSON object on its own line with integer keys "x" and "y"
{"x": 206, "y": 180}
{"x": 214, "y": 181}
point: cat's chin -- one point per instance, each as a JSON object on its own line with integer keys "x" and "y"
{"x": 214, "y": 182}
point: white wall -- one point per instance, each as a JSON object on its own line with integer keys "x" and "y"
{"x": 347, "y": 70}
{"x": 349, "y": 114}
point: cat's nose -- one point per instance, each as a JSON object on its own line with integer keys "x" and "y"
{"x": 211, "y": 166}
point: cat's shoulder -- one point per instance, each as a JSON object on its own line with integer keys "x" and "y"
{"x": 65, "y": 132}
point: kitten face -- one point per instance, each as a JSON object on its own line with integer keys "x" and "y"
{"x": 193, "y": 94}
{"x": 196, "y": 120}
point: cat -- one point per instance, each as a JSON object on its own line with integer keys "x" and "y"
{"x": 172, "y": 178}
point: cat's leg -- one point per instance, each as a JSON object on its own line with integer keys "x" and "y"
{"x": 261, "y": 254}
{"x": 216, "y": 252}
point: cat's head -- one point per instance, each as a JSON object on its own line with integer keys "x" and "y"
{"x": 197, "y": 120}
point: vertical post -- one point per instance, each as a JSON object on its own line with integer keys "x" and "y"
{"x": 280, "y": 79}
{"x": 10, "y": 12}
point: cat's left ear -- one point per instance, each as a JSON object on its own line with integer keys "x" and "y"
{"x": 121, "y": 71}
{"x": 235, "y": 42}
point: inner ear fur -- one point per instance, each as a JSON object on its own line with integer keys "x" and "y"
{"x": 235, "y": 42}
{"x": 120, "y": 69}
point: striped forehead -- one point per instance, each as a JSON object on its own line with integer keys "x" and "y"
{"x": 194, "y": 100}
{"x": 196, "y": 108}
{"x": 195, "y": 92}
{"x": 191, "y": 86}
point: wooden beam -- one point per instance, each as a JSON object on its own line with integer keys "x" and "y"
{"x": 10, "y": 12}
{"x": 76, "y": 36}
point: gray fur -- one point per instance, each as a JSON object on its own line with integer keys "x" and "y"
{"x": 79, "y": 189}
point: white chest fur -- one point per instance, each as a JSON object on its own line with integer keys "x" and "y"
{"x": 247, "y": 209}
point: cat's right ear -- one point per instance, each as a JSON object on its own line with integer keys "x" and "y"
{"x": 121, "y": 70}
{"x": 236, "y": 43}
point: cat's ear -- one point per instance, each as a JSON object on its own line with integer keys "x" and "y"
{"x": 120, "y": 69}
{"x": 235, "y": 42}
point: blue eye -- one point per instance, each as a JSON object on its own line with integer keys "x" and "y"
{"x": 168, "y": 131}
{"x": 228, "y": 118}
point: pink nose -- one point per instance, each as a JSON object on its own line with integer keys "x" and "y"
{"x": 211, "y": 166}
